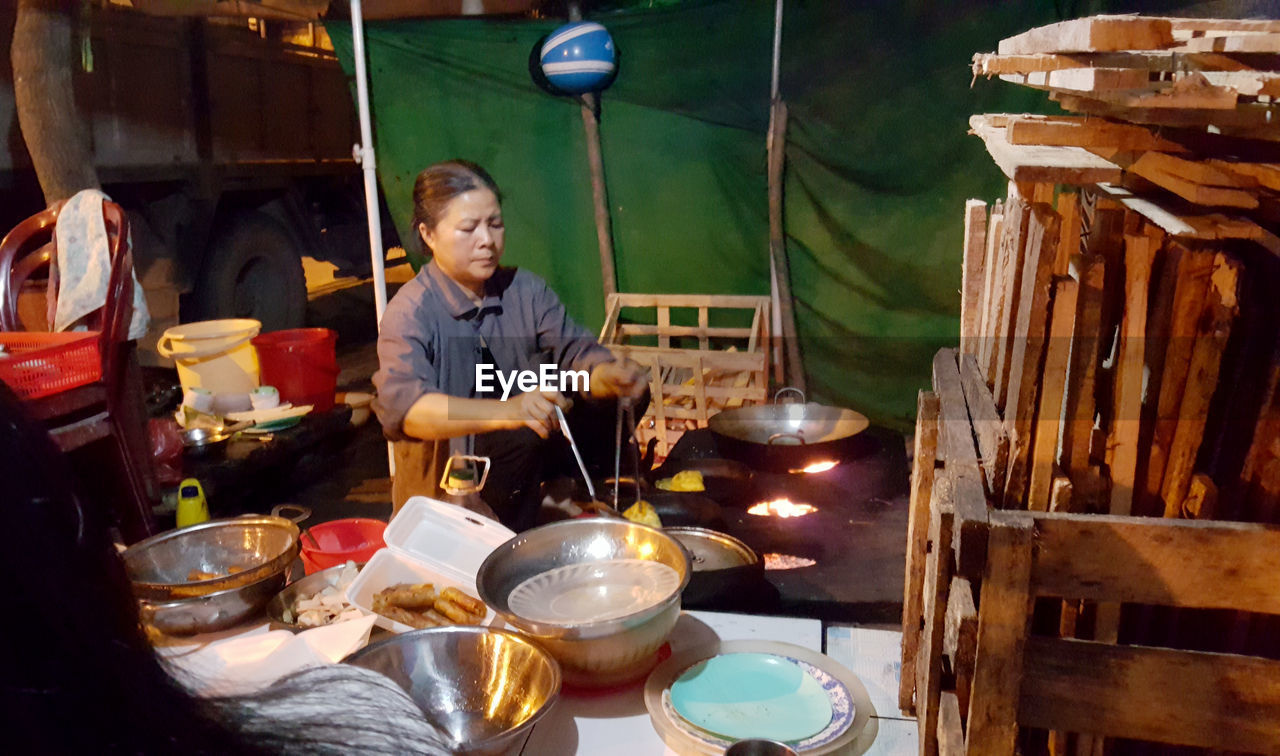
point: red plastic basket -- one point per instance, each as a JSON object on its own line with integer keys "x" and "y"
{"x": 40, "y": 364}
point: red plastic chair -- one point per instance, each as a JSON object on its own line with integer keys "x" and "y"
{"x": 112, "y": 408}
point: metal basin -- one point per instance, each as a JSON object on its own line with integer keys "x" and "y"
{"x": 239, "y": 550}
{"x": 210, "y": 612}
{"x": 483, "y": 688}
{"x": 599, "y": 653}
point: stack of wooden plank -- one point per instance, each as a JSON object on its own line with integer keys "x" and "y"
{"x": 1179, "y": 72}
{"x": 1120, "y": 337}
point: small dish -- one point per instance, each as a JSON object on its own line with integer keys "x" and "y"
{"x": 752, "y": 695}
{"x": 271, "y": 426}
{"x": 593, "y": 591}
{"x": 275, "y": 414}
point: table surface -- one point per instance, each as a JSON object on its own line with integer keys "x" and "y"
{"x": 618, "y": 724}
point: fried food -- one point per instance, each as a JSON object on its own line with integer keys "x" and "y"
{"x": 688, "y": 481}
{"x": 456, "y": 613}
{"x": 643, "y": 513}
{"x": 468, "y": 604}
{"x": 407, "y": 596}
{"x": 420, "y": 606}
{"x": 416, "y": 620}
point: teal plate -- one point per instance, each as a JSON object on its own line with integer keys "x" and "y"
{"x": 752, "y": 695}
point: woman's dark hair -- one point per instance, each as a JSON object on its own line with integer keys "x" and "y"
{"x": 438, "y": 184}
{"x": 79, "y": 676}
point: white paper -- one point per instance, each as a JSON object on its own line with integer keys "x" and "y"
{"x": 256, "y": 658}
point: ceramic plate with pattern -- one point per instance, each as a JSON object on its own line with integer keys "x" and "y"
{"x": 752, "y": 695}
{"x": 837, "y": 695}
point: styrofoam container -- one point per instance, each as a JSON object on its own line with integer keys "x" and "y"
{"x": 429, "y": 541}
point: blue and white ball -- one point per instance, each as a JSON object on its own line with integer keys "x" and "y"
{"x": 579, "y": 57}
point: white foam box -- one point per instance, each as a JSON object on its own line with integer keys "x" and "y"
{"x": 429, "y": 541}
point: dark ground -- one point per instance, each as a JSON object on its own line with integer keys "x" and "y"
{"x": 857, "y": 537}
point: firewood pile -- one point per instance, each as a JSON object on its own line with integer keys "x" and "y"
{"x": 1119, "y": 350}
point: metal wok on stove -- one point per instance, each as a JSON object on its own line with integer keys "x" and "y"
{"x": 785, "y": 437}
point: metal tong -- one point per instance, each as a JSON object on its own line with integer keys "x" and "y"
{"x": 625, "y": 408}
{"x": 564, "y": 428}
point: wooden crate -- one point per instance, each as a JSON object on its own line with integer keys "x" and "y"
{"x": 1119, "y": 356}
{"x": 694, "y": 370}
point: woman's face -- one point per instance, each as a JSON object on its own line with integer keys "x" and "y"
{"x": 467, "y": 242}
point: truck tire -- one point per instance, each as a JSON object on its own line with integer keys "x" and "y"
{"x": 253, "y": 270}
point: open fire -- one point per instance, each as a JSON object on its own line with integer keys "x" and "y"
{"x": 781, "y": 508}
{"x": 816, "y": 467}
{"x": 774, "y": 561}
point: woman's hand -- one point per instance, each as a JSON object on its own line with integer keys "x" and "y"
{"x": 623, "y": 378}
{"x": 536, "y": 410}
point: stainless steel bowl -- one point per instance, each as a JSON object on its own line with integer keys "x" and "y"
{"x": 483, "y": 688}
{"x": 306, "y": 587}
{"x": 210, "y": 612}
{"x": 254, "y": 547}
{"x": 604, "y": 652}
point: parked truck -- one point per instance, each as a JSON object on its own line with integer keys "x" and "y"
{"x": 230, "y": 149}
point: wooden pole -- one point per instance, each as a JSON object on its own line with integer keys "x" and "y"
{"x": 778, "y": 244}
{"x": 599, "y": 191}
{"x": 779, "y": 269}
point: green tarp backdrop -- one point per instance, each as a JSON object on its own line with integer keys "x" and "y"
{"x": 879, "y": 163}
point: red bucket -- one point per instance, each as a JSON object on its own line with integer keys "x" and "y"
{"x": 301, "y": 363}
{"x": 337, "y": 541}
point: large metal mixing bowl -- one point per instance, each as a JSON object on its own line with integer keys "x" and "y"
{"x": 238, "y": 550}
{"x": 483, "y": 688}
{"x": 212, "y": 611}
{"x": 600, "y": 653}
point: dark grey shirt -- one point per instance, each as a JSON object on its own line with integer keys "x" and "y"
{"x": 433, "y": 336}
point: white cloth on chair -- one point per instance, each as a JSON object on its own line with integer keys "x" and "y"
{"x": 84, "y": 265}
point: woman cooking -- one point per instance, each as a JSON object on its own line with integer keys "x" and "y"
{"x": 461, "y": 311}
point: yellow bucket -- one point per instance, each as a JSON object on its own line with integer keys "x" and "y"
{"x": 214, "y": 354}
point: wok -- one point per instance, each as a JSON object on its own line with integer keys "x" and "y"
{"x": 725, "y": 570}
{"x": 784, "y": 437}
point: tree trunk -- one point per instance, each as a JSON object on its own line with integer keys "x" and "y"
{"x": 55, "y": 133}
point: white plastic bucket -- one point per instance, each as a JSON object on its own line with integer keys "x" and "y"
{"x": 214, "y": 354}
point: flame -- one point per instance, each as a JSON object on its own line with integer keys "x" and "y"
{"x": 781, "y": 508}
{"x": 817, "y": 467}
{"x": 786, "y": 562}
